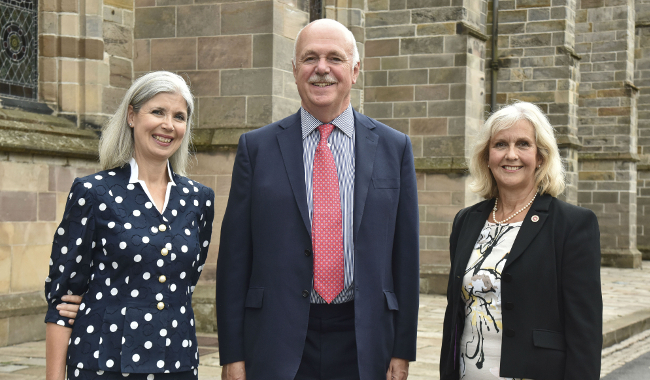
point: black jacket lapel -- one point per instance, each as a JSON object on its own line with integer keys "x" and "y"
{"x": 290, "y": 140}
{"x": 529, "y": 228}
{"x": 468, "y": 235}
{"x": 365, "y": 147}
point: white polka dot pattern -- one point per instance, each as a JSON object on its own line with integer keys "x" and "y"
{"x": 110, "y": 233}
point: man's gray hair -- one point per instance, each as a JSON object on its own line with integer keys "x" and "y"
{"x": 348, "y": 36}
{"x": 116, "y": 146}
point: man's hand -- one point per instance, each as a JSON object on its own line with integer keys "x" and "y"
{"x": 69, "y": 309}
{"x": 398, "y": 369}
{"x": 234, "y": 371}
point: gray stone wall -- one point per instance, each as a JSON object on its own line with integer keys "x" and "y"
{"x": 642, "y": 81}
{"x": 235, "y": 54}
{"x": 608, "y": 124}
{"x": 538, "y": 64}
{"x": 424, "y": 75}
{"x": 85, "y": 57}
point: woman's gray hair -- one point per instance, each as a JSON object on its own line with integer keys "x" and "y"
{"x": 348, "y": 36}
{"x": 549, "y": 178}
{"x": 116, "y": 146}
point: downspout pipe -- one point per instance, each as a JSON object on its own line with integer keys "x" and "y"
{"x": 495, "y": 55}
{"x": 315, "y": 10}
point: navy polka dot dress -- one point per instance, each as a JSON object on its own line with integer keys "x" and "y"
{"x": 136, "y": 268}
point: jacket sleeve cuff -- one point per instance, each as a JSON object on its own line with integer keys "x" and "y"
{"x": 53, "y": 316}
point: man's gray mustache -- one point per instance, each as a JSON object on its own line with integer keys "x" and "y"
{"x": 322, "y": 78}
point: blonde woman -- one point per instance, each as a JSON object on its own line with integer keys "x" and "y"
{"x": 132, "y": 241}
{"x": 524, "y": 299}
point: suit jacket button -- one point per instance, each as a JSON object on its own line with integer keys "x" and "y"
{"x": 305, "y": 293}
{"x": 162, "y": 227}
{"x": 307, "y": 252}
{"x": 507, "y": 277}
{"x": 160, "y": 305}
{"x": 510, "y": 333}
{"x": 510, "y": 305}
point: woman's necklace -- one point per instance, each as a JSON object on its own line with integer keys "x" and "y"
{"x": 494, "y": 211}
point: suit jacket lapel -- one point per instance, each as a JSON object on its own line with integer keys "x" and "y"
{"x": 530, "y": 229}
{"x": 468, "y": 235}
{"x": 365, "y": 149}
{"x": 290, "y": 141}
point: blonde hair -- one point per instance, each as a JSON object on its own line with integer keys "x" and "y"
{"x": 116, "y": 146}
{"x": 549, "y": 178}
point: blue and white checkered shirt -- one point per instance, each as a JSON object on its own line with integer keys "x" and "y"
{"x": 341, "y": 142}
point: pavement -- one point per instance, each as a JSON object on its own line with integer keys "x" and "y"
{"x": 626, "y": 315}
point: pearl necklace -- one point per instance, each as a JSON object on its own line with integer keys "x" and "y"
{"x": 494, "y": 210}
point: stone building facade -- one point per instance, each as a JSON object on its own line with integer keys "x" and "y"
{"x": 426, "y": 69}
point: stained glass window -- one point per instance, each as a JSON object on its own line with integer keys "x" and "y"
{"x": 18, "y": 48}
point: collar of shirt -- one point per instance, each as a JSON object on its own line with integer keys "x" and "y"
{"x": 344, "y": 122}
{"x": 135, "y": 171}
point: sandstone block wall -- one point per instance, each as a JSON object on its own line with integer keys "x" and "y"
{"x": 537, "y": 63}
{"x": 424, "y": 76}
{"x": 85, "y": 57}
{"x": 642, "y": 81}
{"x": 608, "y": 124}
{"x": 33, "y": 193}
{"x": 425, "y": 71}
{"x": 236, "y": 56}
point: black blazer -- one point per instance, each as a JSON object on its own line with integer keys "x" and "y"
{"x": 552, "y": 303}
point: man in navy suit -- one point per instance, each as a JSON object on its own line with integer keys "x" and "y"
{"x": 318, "y": 268}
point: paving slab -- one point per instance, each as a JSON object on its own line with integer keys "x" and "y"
{"x": 626, "y": 313}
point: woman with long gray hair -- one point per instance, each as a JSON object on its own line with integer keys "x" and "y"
{"x": 133, "y": 241}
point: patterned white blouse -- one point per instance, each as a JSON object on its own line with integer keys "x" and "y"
{"x": 480, "y": 350}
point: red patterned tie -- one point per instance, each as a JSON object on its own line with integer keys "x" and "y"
{"x": 327, "y": 225}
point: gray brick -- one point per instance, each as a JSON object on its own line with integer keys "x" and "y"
{"x": 390, "y": 32}
{"x": 247, "y": 17}
{"x": 403, "y": 77}
{"x": 410, "y": 109}
{"x": 394, "y": 63}
{"x": 414, "y": 4}
{"x": 447, "y": 75}
{"x": 259, "y": 111}
{"x": 387, "y": 18}
{"x": 551, "y": 73}
{"x": 378, "y": 110}
{"x": 529, "y": 40}
{"x": 198, "y": 20}
{"x": 539, "y": 14}
{"x": 447, "y": 108}
{"x": 222, "y": 112}
{"x": 246, "y": 82}
{"x": 436, "y": 60}
{"x": 376, "y": 78}
{"x": 433, "y": 15}
{"x": 157, "y": 22}
{"x": 443, "y": 146}
{"x": 422, "y": 45}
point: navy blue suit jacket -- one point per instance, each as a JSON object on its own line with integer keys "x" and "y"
{"x": 265, "y": 269}
{"x": 136, "y": 269}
